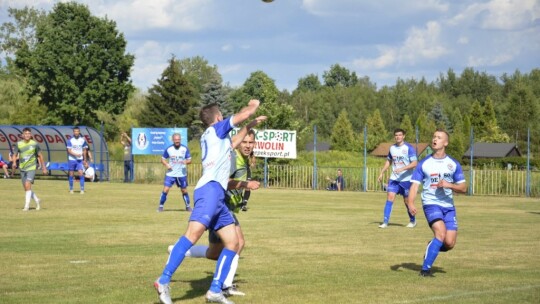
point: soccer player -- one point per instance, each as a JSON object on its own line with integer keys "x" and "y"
{"x": 175, "y": 158}
{"x": 440, "y": 176}
{"x": 210, "y": 211}
{"x": 28, "y": 153}
{"x": 402, "y": 157}
{"x": 76, "y": 147}
{"x": 239, "y": 184}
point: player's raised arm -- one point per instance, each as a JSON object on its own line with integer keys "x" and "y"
{"x": 246, "y": 112}
{"x": 237, "y": 139}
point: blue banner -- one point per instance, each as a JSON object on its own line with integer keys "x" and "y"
{"x": 153, "y": 140}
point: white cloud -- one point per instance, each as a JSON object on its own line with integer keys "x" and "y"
{"x": 489, "y": 61}
{"x": 185, "y": 15}
{"x": 227, "y": 47}
{"x": 370, "y": 7}
{"x": 500, "y": 14}
{"x": 420, "y": 44}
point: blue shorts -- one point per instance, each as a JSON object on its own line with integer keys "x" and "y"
{"x": 399, "y": 187}
{"x": 437, "y": 213}
{"x": 209, "y": 207}
{"x": 179, "y": 181}
{"x": 75, "y": 165}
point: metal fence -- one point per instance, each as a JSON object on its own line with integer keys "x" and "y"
{"x": 484, "y": 182}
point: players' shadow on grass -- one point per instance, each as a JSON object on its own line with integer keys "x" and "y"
{"x": 198, "y": 287}
{"x": 174, "y": 210}
{"x": 415, "y": 267}
{"x": 532, "y": 212}
{"x": 389, "y": 224}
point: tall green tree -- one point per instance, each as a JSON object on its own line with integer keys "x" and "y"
{"x": 342, "y": 138}
{"x": 376, "y": 131}
{"x": 78, "y": 67}
{"x": 438, "y": 116}
{"x": 21, "y": 33}
{"x": 339, "y": 76}
{"x": 309, "y": 83}
{"x": 407, "y": 126}
{"x": 172, "y": 101}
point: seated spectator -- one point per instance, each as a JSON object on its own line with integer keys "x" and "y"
{"x": 338, "y": 184}
{"x": 4, "y": 165}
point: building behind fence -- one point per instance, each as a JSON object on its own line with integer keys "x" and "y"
{"x": 485, "y": 182}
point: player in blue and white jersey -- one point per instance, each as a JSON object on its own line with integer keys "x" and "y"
{"x": 402, "y": 157}
{"x": 440, "y": 176}
{"x": 175, "y": 158}
{"x": 210, "y": 211}
{"x": 76, "y": 147}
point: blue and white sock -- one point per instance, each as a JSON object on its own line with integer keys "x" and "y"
{"x": 162, "y": 198}
{"x": 186, "y": 199}
{"x": 387, "y": 211}
{"x": 223, "y": 267}
{"x": 81, "y": 181}
{"x": 70, "y": 182}
{"x": 432, "y": 250}
{"x": 176, "y": 257}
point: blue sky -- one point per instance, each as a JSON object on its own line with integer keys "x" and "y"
{"x": 289, "y": 39}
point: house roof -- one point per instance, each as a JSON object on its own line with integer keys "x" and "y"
{"x": 493, "y": 150}
{"x": 383, "y": 149}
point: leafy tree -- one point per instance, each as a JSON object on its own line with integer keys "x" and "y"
{"x": 20, "y": 33}
{"x": 342, "y": 133}
{"x": 426, "y": 127}
{"x": 134, "y": 108}
{"x": 309, "y": 83}
{"x": 78, "y": 66}
{"x": 339, "y": 76}
{"x": 492, "y": 132}
{"x": 376, "y": 130}
{"x": 477, "y": 117}
{"x": 406, "y": 125}
{"x": 172, "y": 101}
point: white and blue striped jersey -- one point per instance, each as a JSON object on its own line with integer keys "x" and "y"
{"x": 430, "y": 171}
{"x": 216, "y": 153}
{"x": 399, "y": 157}
{"x": 176, "y": 158}
{"x": 76, "y": 145}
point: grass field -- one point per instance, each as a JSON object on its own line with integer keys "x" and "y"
{"x": 109, "y": 245}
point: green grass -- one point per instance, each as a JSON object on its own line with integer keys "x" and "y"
{"x": 109, "y": 245}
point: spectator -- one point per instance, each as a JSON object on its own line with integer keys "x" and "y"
{"x": 338, "y": 184}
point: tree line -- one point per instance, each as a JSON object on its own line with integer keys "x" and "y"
{"x": 67, "y": 67}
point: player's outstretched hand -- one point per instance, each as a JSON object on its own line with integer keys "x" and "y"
{"x": 254, "y": 103}
{"x": 256, "y": 121}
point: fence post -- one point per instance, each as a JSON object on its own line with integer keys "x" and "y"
{"x": 471, "y": 182}
{"x": 314, "y": 157}
{"x": 528, "y": 185}
{"x": 365, "y": 159}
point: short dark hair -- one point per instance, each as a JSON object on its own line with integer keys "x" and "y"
{"x": 26, "y": 129}
{"x": 399, "y": 130}
{"x": 208, "y": 114}
{"x": 76, "y": 128}
{"x": 443, "y": 131}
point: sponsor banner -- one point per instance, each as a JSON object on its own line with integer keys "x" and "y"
{"x": 274, "y": 143}
{"x": 154, "y": 140}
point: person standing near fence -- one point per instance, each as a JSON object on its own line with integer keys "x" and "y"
{"x": 175, "y": 158}
{"x": 28, "y": 154}
{"x": 440, "y": 176}
{"x": 402, "y": 157}
{"x": 76, "y": 147}
{"x": 128, "y": 158}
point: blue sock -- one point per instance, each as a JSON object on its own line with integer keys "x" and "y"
{"x": 163, "y": 198}
{"x": 70, "y": 181}
{"x": 432, "y": 250}
{"x": 186, "y": 199}
{"x": 176, "y": 257}
{"x": 387, "y": 211}
{"x": 223, "y": 267}
{"x": 81, "y": 180}
{"x": 412, "y": 218}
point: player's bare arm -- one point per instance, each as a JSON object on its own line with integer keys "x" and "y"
{"x": 239, "y": 137}
{"x": 246, "y": 112}
{"x": 236, "y": 184}
{"x": 386, "y": 166}
{"x": 458, "y": 188}
{"x": 410, "y": 200}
